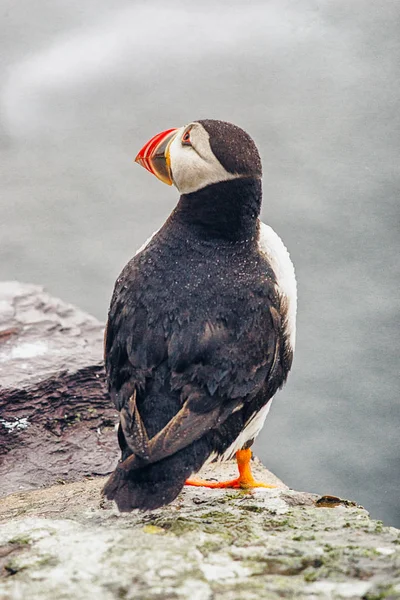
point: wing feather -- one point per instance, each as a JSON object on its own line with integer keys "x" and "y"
{"x": 133, "y": 428}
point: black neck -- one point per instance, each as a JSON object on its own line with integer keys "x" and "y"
{"x": 226, "y": 211}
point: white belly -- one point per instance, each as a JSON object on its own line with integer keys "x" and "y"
{"x": 272, "y": 246}
{"x": 251, "y": 430}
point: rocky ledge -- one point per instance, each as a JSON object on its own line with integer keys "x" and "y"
{"x": 56, "y": 420}
{"x": 65, "y": 541}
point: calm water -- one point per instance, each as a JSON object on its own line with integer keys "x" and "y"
{"x": 84, "y": 85}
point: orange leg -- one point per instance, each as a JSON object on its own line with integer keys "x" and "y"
{"x": 245, "y": 479}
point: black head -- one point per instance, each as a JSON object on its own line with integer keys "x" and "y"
{"x": 200, "y": 154}
{"x": 233, "y": 147}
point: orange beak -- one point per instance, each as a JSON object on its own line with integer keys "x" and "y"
{"x": 154, "y": 156}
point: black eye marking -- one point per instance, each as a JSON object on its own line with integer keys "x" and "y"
{"x": 186, "y": 139}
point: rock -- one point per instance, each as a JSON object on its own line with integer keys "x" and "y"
{"x": 56, "y": 420}
{"x": 67, "y": 542}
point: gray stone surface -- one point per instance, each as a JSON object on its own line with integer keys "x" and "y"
{"x": 67, "y": 542}
{"x": 56, "y": 420}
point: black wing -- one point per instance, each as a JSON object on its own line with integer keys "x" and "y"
{"x": 179, "y": 365}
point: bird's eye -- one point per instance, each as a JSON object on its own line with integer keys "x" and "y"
{"x": 186, "y": 138}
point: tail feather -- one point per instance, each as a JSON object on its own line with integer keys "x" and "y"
{"x": 157, "y": 484}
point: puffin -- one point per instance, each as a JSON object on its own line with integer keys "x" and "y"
{"x": 201, "y": 326}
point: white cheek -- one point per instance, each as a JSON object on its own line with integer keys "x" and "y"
{"x": 190, "y": 171}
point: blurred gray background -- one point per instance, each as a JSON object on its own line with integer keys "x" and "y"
{"x": 83, "y": 85}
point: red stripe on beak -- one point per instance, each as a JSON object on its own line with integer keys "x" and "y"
{"x": 154, "y": 155}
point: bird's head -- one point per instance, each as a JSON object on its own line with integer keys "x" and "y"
{"x": 200, "y": 154}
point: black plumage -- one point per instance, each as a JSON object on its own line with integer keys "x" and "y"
{"x": 196, "y": 339}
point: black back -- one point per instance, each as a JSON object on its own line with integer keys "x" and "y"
{"x": 196, "y": 334}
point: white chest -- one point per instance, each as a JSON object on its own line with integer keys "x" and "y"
{"x": 272, "y": 246}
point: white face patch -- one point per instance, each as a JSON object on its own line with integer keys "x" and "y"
{"x": 195, "y": 166}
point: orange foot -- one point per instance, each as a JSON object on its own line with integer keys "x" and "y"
{"x": 244, "y": 481}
